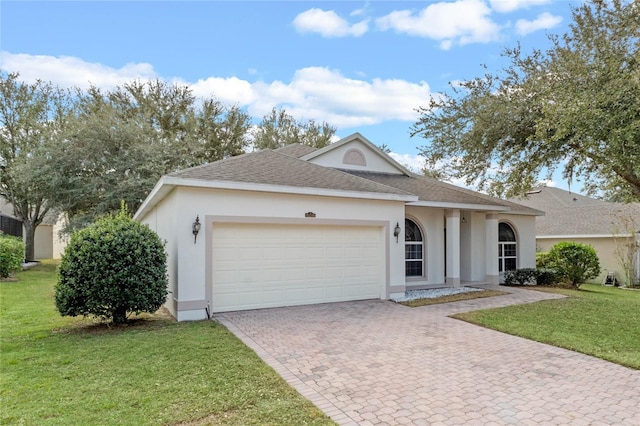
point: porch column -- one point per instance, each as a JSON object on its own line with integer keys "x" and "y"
{"x": 453, "y": 247}
{"x": 491, "y": 248}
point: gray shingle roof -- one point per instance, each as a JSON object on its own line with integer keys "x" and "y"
{"x": 272, "y": 168}
{"x": 569, "y": 213}
{"x": 296, "y": 150}
{"x": 430, "y": 189}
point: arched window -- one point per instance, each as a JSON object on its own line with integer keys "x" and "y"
{"x": 413, "y": 249}
{"x": 507, "y": 248}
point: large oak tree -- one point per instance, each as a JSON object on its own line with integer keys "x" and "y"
{"x": 121, "y": 141}
{"x": 32, "y": 116}
{"x": 575, "y": 107}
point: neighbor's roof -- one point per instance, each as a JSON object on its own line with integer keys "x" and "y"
{"x": 568, "y": 213}
{"x": 272, "y": 168}
{"x": 430, "y": 190}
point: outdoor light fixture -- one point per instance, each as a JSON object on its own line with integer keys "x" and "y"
{"x": 463, "y": 220}
{"x": 396, "y": 231}
{"x": 195, "y": 229}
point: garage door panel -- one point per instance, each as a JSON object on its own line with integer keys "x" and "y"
{"x": 265, "y": 265}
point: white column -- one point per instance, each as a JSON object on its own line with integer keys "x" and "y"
{"x": 491, "y": 248}
{"x": 453, "y": 247}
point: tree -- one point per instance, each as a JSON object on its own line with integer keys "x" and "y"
{"x": 120, "y": 142}
{"x": 574, "y": 263}
{"x": 577, "y": 104}
{"x": 32, "y": 116}
{"x": 113, "y": 267}
{"x": 278, "y": 129}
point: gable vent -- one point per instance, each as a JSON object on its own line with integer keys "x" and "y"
{"x": 355, "y": 157}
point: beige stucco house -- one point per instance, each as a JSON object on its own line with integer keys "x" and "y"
{"x": 612, "y": 229}
{"x": 48, "y": 243}
{"x": 300, "y": 226}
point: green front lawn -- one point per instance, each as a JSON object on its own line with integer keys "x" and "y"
{"x": 74, "y": 371}
{"x": 596, "y": 320}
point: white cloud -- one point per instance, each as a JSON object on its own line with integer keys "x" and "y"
{"x": 67, "y": 71}
{"x": 328, "y": 24}
{"x": 548, "y": 182}
{"x": 227, "y": 90}
{"x": 414, "y": 163}
{"x": 544, "y": 21}
{"x": 315, "y": 93}
{"x": 460, "y": 22}
{"x": 325, "y": 94}
{"x": 506, "y": 6}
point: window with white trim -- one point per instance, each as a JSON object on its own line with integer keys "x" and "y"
{"x": 507, "y": 248}
{"x": 413, "y": 249}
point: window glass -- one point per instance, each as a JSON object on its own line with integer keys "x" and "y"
{"x": 413, "y": 249}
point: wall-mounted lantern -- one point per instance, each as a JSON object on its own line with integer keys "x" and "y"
{"x": 195, "y": 228}
{"x": 396, "y": 231}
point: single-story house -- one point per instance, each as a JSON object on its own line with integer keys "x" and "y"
{"x": 612, "y": 229}
{"x": 48, "y": 243}
{"x": 299, "y": 225}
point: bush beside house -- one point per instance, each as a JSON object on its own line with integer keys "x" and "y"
{"x": 11, "y": 254}
{"x": 575, "y": 263}
{"x": 114, "y": 267}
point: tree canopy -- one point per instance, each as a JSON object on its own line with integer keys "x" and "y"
{"x": 31, "y": 116}
{"x": 574, "y": 107}
{"x": 119, "y": 143}
{"x": 278, "y": 129}
{"x": 83, "y": 152}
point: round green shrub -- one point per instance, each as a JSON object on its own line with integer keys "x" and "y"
{"x": 113, "y": 267}
{"x": 11, "y": 254}
{"x": 542, "y": 259}
{"x": 573, "y": 262}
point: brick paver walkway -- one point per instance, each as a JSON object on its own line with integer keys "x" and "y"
{"x": 376, "y": 362}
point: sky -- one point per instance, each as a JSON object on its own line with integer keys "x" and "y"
{"x": 361, "y": 66}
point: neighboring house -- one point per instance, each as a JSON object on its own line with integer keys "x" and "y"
{"x": 299, "y": 226}
{"x": 609, "y": 227}
{"x": 48, "y": 244}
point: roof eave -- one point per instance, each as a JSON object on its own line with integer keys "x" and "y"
{"x": 168, "y": 183}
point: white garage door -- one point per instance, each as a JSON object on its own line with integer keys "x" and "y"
{"x": 270, "y": 265}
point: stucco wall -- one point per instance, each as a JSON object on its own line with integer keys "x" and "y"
{"x": 43, "y": 243}
{"x": 525, "y": 228}
{"x": 472, "y": 246}
{"x": 173, "y": 217}
{"x": 431, "y": 221}
{"x": 162, "y": 220}
{"x": 605, "y": 248}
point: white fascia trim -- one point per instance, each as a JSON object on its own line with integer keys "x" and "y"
{"x": 282, "y": 189}
{"x": 586, "y": 236}
{"x": 461, "y": 206}
{"x": 157, "y": 193}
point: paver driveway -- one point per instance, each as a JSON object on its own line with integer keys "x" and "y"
{"x": 376, "y": 362}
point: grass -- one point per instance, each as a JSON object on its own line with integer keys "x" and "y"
{"x": 452, "y": 298}
{"x": 600, "y": 321}
{"x": 75, "y": 371}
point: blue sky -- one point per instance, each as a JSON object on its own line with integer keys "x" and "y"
{"x": 361, "y": 66}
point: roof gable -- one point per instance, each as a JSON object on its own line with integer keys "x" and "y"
{"x": 355, "y": 152}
